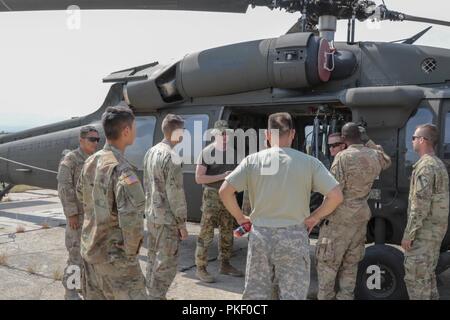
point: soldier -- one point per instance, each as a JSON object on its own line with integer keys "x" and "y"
{"x": 336, "y": 144}
{"x": 113, "y": 202}
{"x": 342, "y": 236}
{"x": 279, "y": 181}
{"x": 427, "y": 216}
{"x": 165, "y": 208}
{"x": 68, "y": 173}
{"x": 212, "y": 168}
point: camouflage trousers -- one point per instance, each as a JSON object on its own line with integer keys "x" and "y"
{"x": 74, "y": 261}
{"x": 121, "y": 279}
{"x": 420, "y": 270}
{"x": 339, "y": 250}
{"x": 214, "y": 215}
{"x": 163, "y": 245}
{"x": 278, "y": 255}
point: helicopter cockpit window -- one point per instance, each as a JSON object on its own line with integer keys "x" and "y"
{"x": 191, "y": 146}
{"x": 423, "y": 115}
{"x": 145, "y": 129}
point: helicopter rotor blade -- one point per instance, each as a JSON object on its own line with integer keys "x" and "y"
{"x": 385, "y": 14}
{"x": 426, "y": 20}
{"x": 234, "y": 6}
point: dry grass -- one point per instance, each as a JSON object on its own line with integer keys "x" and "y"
{"x": 45, "y": 226}
{"x": 57, "y": 275}
{"x": 31, "y": 269}
{"x": 3, "y": 259}
{"x": 22, "y": 188}
{"x": 20, "y": 229}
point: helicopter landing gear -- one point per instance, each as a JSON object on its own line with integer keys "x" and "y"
{"x": 380, "y": 274}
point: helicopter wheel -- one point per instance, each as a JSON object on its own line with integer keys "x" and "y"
{"x": 380, "y": 275}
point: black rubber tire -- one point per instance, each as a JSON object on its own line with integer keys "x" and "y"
{"x": 389, "y": 260}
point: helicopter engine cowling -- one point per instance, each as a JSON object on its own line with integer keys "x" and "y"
{"x": 292, "y": 61}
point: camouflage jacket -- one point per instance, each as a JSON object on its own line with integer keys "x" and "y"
{"x": 68, "y": 173}
{"x": 355, "y": 169}
{"x": 428, "y": 208}
{"x": 163, "y": 183}
{"x": 113, "y": 202}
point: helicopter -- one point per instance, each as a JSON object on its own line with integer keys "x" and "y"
{"x": 389, "y": 88}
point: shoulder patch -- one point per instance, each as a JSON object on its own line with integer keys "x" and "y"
{"x": 129, "y": 179}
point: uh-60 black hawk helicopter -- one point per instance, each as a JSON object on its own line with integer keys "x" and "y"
{"x": 388, "y": 87}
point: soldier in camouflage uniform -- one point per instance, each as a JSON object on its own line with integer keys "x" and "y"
{"x": 428, "y": 212}
{"x": 278, "y": 249}
{"x": 165, "y": 208}
{"x": 68, "y": 173}
{"x": 212, "y": 168}
{"x": 342, "y": 237}
{"x": 113, "y": 202}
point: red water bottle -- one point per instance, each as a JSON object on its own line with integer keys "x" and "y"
{"x": 242, "y": 229}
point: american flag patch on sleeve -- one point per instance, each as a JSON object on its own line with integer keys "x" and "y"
{"x": 131, "y": 179}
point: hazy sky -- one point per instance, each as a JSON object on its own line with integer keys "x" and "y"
{"x": 50, "y": 73}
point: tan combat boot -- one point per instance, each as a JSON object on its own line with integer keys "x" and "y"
{"x": 228, "y": 269}
{"x": 203, "y": 275}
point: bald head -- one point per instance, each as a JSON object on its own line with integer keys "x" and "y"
{"x": 351, "y": 133}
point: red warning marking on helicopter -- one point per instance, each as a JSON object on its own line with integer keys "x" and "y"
{"x": 324, "y": 54}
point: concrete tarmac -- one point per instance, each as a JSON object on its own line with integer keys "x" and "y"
{"x": 33, "y": 255}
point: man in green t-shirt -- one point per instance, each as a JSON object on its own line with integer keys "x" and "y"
{"x": 279, "y": 181}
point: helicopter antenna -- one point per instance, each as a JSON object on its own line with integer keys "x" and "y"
{"x": 414, "y": 38}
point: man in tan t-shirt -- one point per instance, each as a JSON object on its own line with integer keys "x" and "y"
{"x": 279, "y": 181}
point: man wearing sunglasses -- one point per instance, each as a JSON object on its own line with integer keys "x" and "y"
{"x": 340, "y": 246}
{"x": 68, "y": 173}
{"x": 427, "y": 216}
{"x": 336, "y": 144}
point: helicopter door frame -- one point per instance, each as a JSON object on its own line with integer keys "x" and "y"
{"x": 444, "y": 152}
{"x": 444, "y": 145}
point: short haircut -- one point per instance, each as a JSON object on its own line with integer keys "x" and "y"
{"x": 430, "y": 132}
{"x": 281, "y": 121}
{"x": 115, "y": 119}
{"x": 351, "y": 131}
{"x": 84, "y": 131}
{"x": 170, "y": 123}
